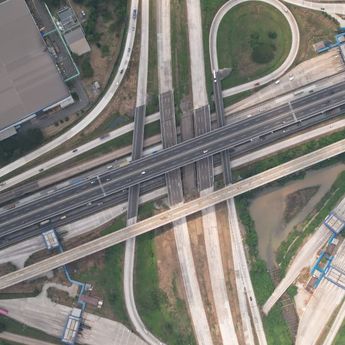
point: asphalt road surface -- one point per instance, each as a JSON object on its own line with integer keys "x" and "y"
{"x": 173, "y": 214}
{"x": 97, "y": 190}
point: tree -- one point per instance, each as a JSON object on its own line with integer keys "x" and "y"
{"x": 272, "y": 34}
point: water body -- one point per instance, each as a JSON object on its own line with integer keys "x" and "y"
{"x": 267, "y": 208}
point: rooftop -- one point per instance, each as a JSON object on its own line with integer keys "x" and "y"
{"x": 29, "y": 79}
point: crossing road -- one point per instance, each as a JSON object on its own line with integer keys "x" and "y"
{"x": 172, "y": 214}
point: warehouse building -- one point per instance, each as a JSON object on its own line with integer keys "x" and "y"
{"x": 30, "y": 82}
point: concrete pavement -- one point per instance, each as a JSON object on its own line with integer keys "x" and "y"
{"x": 337, "y": 323}
{"x": 173, "y": 178}
{"x": 133, "y": 192}
{"x": 243, "y": 281}
{"x": 20, "y": 339}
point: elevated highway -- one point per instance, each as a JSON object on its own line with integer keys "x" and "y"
{"x": 173, "y": 214}
{"x": 89, "y": 195}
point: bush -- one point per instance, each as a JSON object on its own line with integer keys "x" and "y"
{"x": 292, "y": 291}
{"x": 263, "y": 53}
{"x": 273, "y": 35}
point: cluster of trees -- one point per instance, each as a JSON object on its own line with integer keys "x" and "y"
{"x": 98, "y": 8}
{"x": 21, "y": 143}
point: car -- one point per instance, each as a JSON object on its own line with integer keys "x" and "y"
{"x": 205, "y": 151}
{"x": 109, "y": 167}
{"x": 75, "y": 150}
{"x": 42, "y": 169}
{"x": 277, "y": 82}
{"x": 63, "y": 217}
{"x": 134, "y": 13}
{"x": 291, "y": 77}
{"x": 129, "y": 50}
{"x": 121, "y": 71}
{"x": 143, "y": 172}
{"x": 89, "y": 203}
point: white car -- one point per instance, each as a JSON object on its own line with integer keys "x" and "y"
{"x": 143, "y": 172}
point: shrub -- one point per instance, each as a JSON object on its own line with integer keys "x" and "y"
{"x": 272, "y": 34}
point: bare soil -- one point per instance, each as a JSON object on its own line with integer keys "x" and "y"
{"x": 61, "y": 297}
{"x": 228, "y": 266}
{"x": 297, "y": 200}
{"x": 195, "y": 228}
{"x": 314, "y": 27}
{"x": 170, "y": 279}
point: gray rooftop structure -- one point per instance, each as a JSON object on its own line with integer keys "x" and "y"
{"x": 77, "y": 41}
{"x": 29, "y": 79}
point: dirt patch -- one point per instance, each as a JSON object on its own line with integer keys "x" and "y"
{"x": 195, "y": 228}
{"x": 228, "y": 266}
{"x": 61, "y": 297}
{"x": 313, "y": 26}
{"x": 170, "y": 279}
{"x": 297, "y": 200}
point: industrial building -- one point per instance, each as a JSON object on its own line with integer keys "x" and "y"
{"x": 73, "y": 31}
{"x": 30, "y": 82}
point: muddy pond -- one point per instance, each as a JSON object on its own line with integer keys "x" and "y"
{"x": 277, "y": 210}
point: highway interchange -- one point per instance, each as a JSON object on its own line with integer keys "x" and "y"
{"x": 101, "y": 191}
{"x": 173, "y": 214}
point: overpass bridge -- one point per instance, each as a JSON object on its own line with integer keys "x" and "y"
{"x": 173, "y": 214}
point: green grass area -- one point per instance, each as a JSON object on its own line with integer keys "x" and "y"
{"x": 108, "y": 279}
{"x": 6, "y": 342}
{"x": 251, "y": 32}
{"x": 275, "y": 326}
{"x": 169, "y": 322}
{"x": 180, "y": 54}
{"x": 340, "y": 338}
{"x": 16, "y": 327}
{"x": 152, "y": 129}
{"x": 288, "y": 248}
